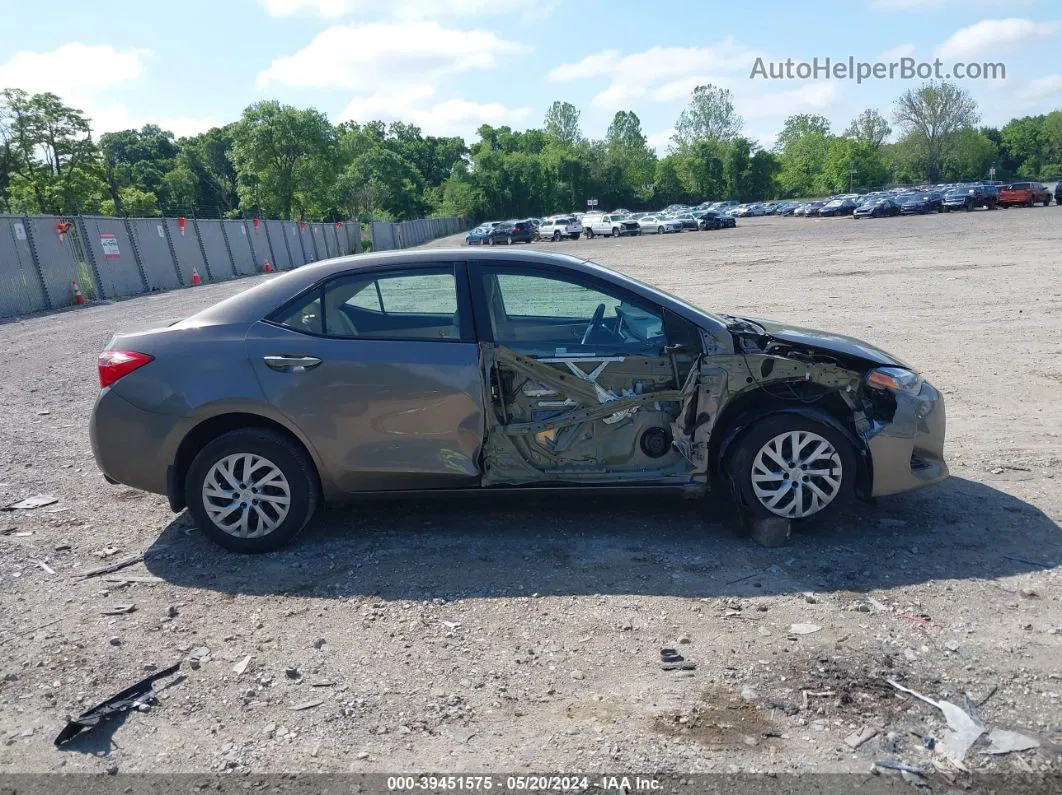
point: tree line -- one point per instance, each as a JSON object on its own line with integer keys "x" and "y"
{"x": 280, "y": 161}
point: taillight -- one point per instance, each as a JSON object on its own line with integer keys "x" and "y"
{"x": 113, "y": 365}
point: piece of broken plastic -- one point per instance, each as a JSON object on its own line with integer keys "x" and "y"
{"x": 36, "y": 501}
{"x": 124, "y": 701}
{"x": 1004, "y": 741}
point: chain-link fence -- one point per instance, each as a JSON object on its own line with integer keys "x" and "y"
{"x": 45, "y": 260}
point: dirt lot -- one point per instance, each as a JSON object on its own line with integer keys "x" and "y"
{"x": 525, "y": 636}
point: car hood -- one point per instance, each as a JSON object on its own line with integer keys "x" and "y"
{"x": 827, "y": 341}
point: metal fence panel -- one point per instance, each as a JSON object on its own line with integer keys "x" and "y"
{"x": 20, "y": 286}
{"x": 240, "y": 246}
{"x": 156, "y": 258}
{"x": 354, "y": 235}
{"x": 215, "y": 250}
{"x": 297, "y": 245}
{"x": 325, "y": 234}
{"x": 109, "y": 246}
{"x": 279, "y": 237}
{"x": 187, "y": 249}
{"x": 306, "y": 238}
{"x": 259, "y": 242}
{"x": 59, "y": 261}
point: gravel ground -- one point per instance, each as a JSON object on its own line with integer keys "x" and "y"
{"x": 524, "y": 636}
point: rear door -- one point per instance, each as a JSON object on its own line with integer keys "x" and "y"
{"x": 380, "y": 371}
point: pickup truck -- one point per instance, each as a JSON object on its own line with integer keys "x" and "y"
{"x": 614, "y": 224}
{"x": 561, "y": 226}
{"x": 1024, "y": 194}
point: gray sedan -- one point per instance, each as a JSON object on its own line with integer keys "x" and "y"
{"x": 442, "y": 370}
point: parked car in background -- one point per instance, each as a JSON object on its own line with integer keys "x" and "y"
{"x": 1024, "y": 194}
{"x": 610, "y": 225}
{"x": 510, "y": 232}
{"x": 560, "y": 227}
{"x": 813, "y": 208}
{"x": 658, "y": 224}
{"x": 710, "y": 219}
{"x": 311, "y": 388}
{"x": 479, "y": 235}
{"x": 689, "y": 223}
{"x": 970, "y": 197}
{"x": 920, "y": 203}
{"x": 882, "y": 207}
{"x": 837, "y": 208}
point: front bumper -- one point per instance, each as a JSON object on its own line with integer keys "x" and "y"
{"x": 908, "y": 452}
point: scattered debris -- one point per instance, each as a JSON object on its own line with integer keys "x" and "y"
{"x": 772, "y": 531}
{"x": 804, "y": 629}
{"x": 307, "y": 705}
{"x": 684, "y": 665}
{"x": 450, "y": 624}
{"x": 44, "y": 566}
{"x": 964, "y": 729}
{"x": 992, "y": 691}
{"x": 30, "y": 503}
{"x": 121, "y": 564}
{"x": 879, "y": 607}
{"x": 919, "y": 619}
{"x": 856, "y": 739}
{"x": 1004, "y": 741}
{"x": 119, "y": 610}
{"x": 240, "y": 667}
{"x": 670, "y": 655}
{"x": 578, "y": 675}
{"x": 128, "y": 699}
{"x": 292, "y": 672}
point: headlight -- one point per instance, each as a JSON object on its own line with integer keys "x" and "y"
{"x": 895, "y": 379}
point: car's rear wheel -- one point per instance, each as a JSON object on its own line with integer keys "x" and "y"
{"x": 510, "y": 240}
{"x": 660, "y": 230}
{"x": 787, "y": 465}
{"x": 251, "y": 490}
{"x": 589, "y": 234}
{"x": 556, "y": 237}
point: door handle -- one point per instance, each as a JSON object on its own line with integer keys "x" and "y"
{"x": 291, "y": 364}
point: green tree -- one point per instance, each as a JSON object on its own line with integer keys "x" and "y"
{"x": 802, "y": 148}
{"x": 970, "y": 157}
{"x": 930, "y": 117}
{"x": 562, "y": 123}
{"x": 1024, "y": 142}
{"x": 132, "y": 202}
{"x": 282, "y": 156}
{"x": 870, "y": 128}
{"x": 710, "y": 116}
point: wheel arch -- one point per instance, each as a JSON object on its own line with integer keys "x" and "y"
{"x": 740, "y": 414}
{"x": 211, "y": 428}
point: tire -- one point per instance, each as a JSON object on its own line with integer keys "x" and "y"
{"x": 575, "y": 237}
{"x": 510, "y": 240}
{"x": 749, "y": 455}
{"x": 589, "y": 234}
{"x": 660, "y": 230}
{"x": 556, "y": 236}
{"x": 229, "y": 454}
{"x": 615, "y": 231}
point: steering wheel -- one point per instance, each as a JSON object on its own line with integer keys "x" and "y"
{"x": 595, "y": 322}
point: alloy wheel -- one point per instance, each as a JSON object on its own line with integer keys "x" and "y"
{"x": 246, "y": 495}
{"x": 796, "y": 474}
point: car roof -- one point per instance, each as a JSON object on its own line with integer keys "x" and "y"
{"x": 262, "y": 299}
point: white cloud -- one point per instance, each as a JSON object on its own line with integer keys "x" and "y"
{"x": 368, "y": 57}
{"x": 896, "y": 53}
{"x": 417, "y": 105}
{"x": 810, "y": 98}
{"x": 994, "y": 35}
{"x": 1042, "y": 88}
{"x": 660, "y": 141}
{"x": 397, "y": 9}
{"x": 72, "y": 69}
{"x": 107, "y": 116}
{"x": 659, "y": 74}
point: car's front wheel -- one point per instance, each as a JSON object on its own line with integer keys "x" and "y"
{"x": 251, "y": 490}
{"x": 787, "y": 465}
{"x": 556, "y": 237}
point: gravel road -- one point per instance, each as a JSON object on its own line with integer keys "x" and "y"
{"x": 524, "y": 636}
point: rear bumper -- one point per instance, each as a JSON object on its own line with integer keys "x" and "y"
{"x": 128, "y": 442}
{"x": 908, "y": 453}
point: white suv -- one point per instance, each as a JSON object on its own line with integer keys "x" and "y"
{"x": 560, "y": 227}
{"x": 614, "y": 224}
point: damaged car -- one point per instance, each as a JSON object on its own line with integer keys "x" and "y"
{"x": 431, "y": 371}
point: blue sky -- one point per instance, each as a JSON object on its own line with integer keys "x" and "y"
{"x": 451, "y": 65}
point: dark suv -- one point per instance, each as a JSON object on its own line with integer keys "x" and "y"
{"x": 971, "y": 197}
{"x": 513, "y": 232}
